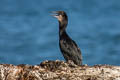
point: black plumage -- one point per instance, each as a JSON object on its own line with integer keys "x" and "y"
{"x": 68, "y": 47}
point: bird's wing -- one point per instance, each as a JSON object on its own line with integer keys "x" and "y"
{"x": 71, "y": 50}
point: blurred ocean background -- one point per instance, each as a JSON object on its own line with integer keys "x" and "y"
{"x": 29, "y": 35}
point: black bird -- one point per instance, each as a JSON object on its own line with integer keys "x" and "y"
{"x": 68, "y": 47}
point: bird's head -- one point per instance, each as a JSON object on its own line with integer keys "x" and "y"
{"x": 60, "y": 15}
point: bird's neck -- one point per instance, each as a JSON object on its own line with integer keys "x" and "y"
{"x": 62, "y": 28}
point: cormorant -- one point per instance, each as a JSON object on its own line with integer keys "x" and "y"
{"x": 68, "y": 47}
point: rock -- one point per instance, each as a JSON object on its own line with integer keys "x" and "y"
{"x": 58, "y": 70}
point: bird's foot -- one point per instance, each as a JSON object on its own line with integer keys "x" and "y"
{"x": 71, "y": 63}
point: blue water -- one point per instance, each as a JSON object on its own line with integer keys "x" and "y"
{"x": 29, "y": 35}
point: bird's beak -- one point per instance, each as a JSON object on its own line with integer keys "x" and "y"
{"x": 55, "y": 14}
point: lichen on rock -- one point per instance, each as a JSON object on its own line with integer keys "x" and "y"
{"x": 58, "y": 70}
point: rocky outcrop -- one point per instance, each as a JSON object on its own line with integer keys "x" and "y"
{"x": 58, "y": 70}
